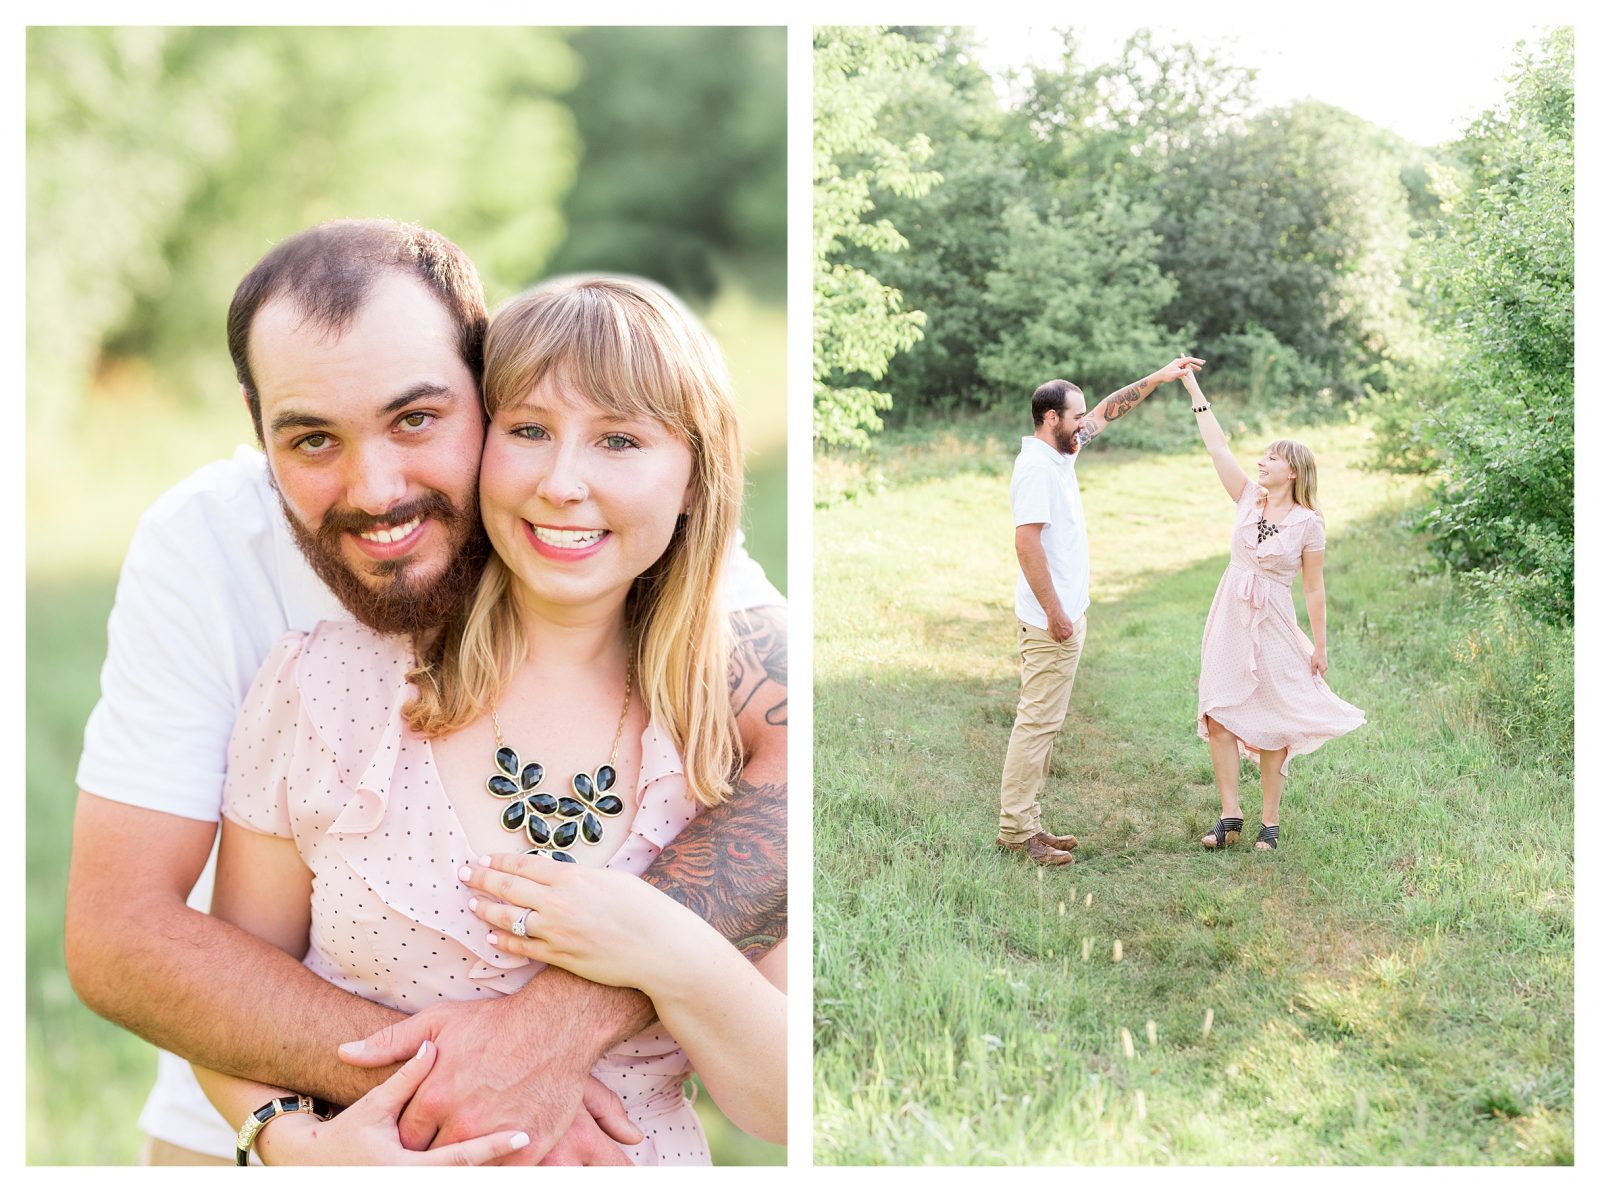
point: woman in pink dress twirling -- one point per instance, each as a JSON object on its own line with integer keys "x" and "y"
{"x": 1262, "y": 693}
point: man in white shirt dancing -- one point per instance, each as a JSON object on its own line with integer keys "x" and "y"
{"x": 1052, "y": 594}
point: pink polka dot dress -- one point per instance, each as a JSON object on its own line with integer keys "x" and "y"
{"x": 1255, "y": 660}
{"x": 321, "y": 754}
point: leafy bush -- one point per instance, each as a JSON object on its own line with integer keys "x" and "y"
{"x": 1080, "y": 295}
{"x": 1261, "y": 370}
{"x": 1500, "y": 272}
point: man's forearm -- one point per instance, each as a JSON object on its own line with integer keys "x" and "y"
{"x": 218, "y": 996}
{"x": 730, "y": 865}
{"x": 1115, "y": 406}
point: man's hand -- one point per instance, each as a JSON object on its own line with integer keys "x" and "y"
{"x": 589, "y": 1142}
{"x": 1060, "y": 626}
{"x": 1180, "y": 367}
{"x": 365, "y": 1134}
{"x": 490, "y": 1075}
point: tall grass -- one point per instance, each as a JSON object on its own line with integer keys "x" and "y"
{"x": 1394, "y": 985}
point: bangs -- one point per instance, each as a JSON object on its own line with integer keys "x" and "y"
{"x": 623, "y": 347}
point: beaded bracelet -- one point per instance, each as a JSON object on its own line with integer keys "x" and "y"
{"x": 1200, "y": 409}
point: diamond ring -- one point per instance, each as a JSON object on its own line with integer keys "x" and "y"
{"x": 520, "y": 927}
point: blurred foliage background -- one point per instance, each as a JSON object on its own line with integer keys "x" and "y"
{"x": 1116, "y": 213}
{"x": 162, "y": 163}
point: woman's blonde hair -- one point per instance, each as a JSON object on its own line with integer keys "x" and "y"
{"x": 635, "y": 351}
{"x": 1303, "y": 489}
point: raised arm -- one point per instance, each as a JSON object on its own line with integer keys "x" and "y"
{"x": 1228, "y": 469}
{"x": 1119, "y": 403}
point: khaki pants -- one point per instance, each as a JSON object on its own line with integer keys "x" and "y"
{"x": 160, "y": 1153}
{"x": 1048, "y": 668}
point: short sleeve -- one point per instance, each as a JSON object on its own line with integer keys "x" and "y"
{"x": 744, "y": 581}
{"x": 1251, "y": 495}
{"x": 1030, "y": 498}
{"x": 159, "y": 734}
{"x": 265, "y": 739}
{"x": 1316, "y": 535}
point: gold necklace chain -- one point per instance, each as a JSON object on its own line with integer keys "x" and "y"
{"x": 553, "y": 823}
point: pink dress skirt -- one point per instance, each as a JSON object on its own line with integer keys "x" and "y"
{"x": 1255, "y": 660}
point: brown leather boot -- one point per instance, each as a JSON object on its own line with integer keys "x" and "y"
{"x": 1037, "y": 850}
{"x": 1065, "y": 843}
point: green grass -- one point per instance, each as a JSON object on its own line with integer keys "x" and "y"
{"x": 1393, "y": 986}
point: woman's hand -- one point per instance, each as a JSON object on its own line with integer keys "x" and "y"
{"x": 601, "y": 924}
{"x": 368, "y": 1134}
{"x": 1319, "y": 661}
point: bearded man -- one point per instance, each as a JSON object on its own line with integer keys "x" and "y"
{"x": 1052, "y": 594}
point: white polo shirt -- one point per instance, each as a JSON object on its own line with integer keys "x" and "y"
{"x": 1044, "y": 491}
{"x": 211, "y": 580}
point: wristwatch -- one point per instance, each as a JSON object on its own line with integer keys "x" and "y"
{"x": 258, "y": 1120}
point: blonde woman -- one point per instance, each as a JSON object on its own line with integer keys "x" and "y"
{"x": 1262, "y": 693}
{"x": 437, "y": 819}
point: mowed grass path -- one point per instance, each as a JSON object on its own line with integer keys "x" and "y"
{"x": 1393, "y": 986}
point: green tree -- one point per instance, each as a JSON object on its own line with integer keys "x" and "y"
{"x": 955, "y": 234}
{"x": 1288, "y": 235}
{"x": 1500, "y": 273}
{"x": 163, "y": 162}
{"x": 684, "y": 168}
{"x": 1080, "y": 295}
{"x": 858, "y": 323}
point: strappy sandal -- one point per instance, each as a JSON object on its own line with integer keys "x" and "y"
{"x": 1267, "y": 836}
{"x": 1224, "y": 832}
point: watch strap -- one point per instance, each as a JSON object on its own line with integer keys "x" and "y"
{"x": 257, "y": 1121}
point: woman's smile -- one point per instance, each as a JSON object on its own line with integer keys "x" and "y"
{"x": 567, "y": 543}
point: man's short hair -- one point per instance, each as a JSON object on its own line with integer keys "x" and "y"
{"x": 328, "y": 272}
{"x": 1052, "y": 395}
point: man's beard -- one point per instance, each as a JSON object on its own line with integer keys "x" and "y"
{"x": 398, "y": 603}
{"x": 1067, "y": 441}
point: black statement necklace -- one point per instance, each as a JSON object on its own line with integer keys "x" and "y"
{"x": 553, "y": 823}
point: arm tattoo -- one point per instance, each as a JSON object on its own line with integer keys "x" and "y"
{"x": 759, "y": 669}
{"x": 1124, "y": 399}
{"x": 730, "y": 866}
{"x": 1087, "y": 429}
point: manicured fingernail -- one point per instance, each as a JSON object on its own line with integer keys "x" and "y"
{"x": 484, "y": 861}
{"x": 355, "y": 1048}
{"x": 422, "y": 1049}
{"x": 465, "y": 873}
{"x": 472, "y": 904}
{"x": 493, "y": 939}
{"x": 520, "y": 1140}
